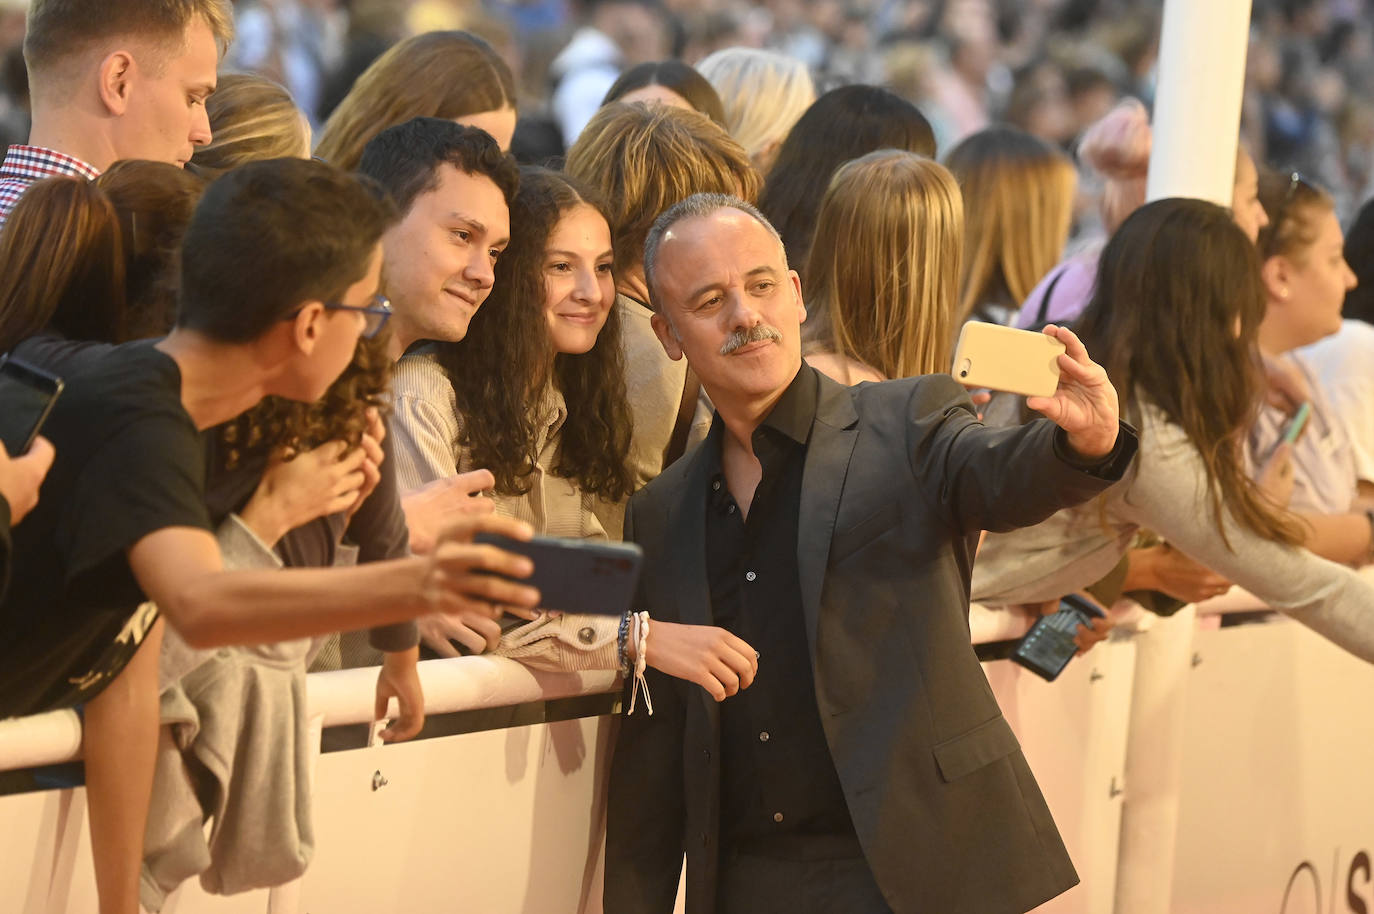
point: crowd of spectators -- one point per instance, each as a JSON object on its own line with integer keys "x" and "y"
{"x": 337, "y": 287}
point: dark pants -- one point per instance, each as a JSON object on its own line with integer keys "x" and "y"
{"x": 762, "y": 885}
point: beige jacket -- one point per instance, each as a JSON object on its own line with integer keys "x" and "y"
{"x": 428, "y": 431}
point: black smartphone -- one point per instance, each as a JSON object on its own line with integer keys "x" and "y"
{"x": 1048, "y": 647}
{"x": 27, "y": 395}
{"x": 578, "y": 576}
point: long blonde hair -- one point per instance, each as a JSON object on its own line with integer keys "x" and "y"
{"x": 1018, "y": 198}
{"x": 437, "y": 74}
{"x": 251, "y": 118}
{"x": 882, "y": 275}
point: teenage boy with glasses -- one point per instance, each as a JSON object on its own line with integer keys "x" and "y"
{"x": 122, "y": 523}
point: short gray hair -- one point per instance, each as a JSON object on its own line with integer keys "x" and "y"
{"x": 697, "y": 206}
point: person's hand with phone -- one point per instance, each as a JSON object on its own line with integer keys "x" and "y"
{"x": 1085, "y": 403}
{"x": 473, "y": 584}
{"x": 718, "y": 661}
{"x": 22, "y": 476}
{"x": 431, "y": 506}
{"x": 1165, "y": 569}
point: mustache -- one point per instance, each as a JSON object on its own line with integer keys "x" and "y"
{"x": 755, "y": 334}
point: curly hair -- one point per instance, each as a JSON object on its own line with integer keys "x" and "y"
{"x": 294, "y": 427}
{"x": 507, "y": 358}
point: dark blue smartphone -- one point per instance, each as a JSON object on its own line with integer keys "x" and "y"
{"x": 1048, "y": 647}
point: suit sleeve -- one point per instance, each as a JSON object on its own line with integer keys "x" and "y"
{"x": 980, "y": 478}
{"x": 645, "y": 816}
{"x": 4, "y": 546}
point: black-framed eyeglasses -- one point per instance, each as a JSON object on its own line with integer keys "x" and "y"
{"x": 376, "y": 313}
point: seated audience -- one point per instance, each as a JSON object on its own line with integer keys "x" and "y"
{"x": 451, "y": 75}
{"x": 668, "y": 82}
{"x": 264, "y": 309}
{"x": 763, "y": 93}
{"x": 1018, "y": 203}
{"x": 843, "y": 124}
{"x": 1174, "y": 319}
{"x": 883, "y": 274}
{"x": 99, "y": 74}
{"x": 642, "y": 160}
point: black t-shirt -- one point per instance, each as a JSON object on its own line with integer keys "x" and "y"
{"x": 129, "y": 463}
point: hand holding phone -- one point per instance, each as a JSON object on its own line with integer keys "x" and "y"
{"x": 27, "y": 396}
{"x": 1003, "y": 358}
{"x": 578, "y": 576}
{"x": 22, "y": 477}
{"x": 1049, "y": 645}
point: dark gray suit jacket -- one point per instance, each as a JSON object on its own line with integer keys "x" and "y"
{"x": 899, "y": 479}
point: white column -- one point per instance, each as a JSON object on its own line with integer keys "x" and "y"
{"x": 1154, "y": 765}
{"x": 1202, "y": 50}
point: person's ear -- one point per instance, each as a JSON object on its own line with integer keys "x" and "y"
{"x": 116, "y": 72}
{"x": 667, "y": 336}
{"x": 797, "y": 294}
{"x": 307, "y": 326}
{"x": 1276, "y": 273}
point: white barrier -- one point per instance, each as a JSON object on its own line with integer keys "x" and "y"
{"x": 1245, "y": 781}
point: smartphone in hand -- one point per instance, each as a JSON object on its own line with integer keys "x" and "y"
{"x": 1049, "y": 646}
{"x": 1003, "y": 358}
{"x": 27, "y": 396}
{"x": 577, "y": 576}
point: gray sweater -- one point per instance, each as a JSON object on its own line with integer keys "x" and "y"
{"x": 1167, "y": 494}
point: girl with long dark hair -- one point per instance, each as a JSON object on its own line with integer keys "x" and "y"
{"x": 1174, "y": 320}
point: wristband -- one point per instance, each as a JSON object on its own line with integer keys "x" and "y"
{"x": 622, "y": 642}
{"x": 641, "y": 636}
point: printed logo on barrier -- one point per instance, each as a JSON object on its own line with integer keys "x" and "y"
{"x": 1351, "y": 889}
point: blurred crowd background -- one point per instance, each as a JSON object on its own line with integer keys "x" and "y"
{"x": 1051, "y": 67}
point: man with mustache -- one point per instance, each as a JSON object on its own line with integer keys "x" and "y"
{"x": 861, "y": 765}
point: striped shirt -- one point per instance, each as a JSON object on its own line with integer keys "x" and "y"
{"x": 27, "y": 165}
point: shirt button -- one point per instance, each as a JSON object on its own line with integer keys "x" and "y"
{"x": 586, "y": 635}
{"x": 730, "y": 509}
{"x": 749, "y": 576}
{"x": 715, "y": 485}
{"x": 763, "y": 737}
{"x": 706, "y": 754}
{"x": 777, "y": 817}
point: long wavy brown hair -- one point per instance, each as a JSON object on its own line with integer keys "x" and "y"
{"x": 1173, "y": 320}
{"x": 502, "y": 366}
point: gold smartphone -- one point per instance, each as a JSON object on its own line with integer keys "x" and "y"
{"x": 1002, "y": 358}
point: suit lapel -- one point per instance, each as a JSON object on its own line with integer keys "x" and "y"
{"x": 833, "y": 436}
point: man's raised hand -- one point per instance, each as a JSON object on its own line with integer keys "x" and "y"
{"x": 1085, "y": 404}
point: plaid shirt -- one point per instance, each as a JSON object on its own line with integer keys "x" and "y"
{"x": 26, "y": 165}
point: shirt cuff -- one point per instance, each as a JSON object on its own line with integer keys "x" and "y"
{"x": 1111, "y": 466}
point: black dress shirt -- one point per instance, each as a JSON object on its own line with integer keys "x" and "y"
{"x": 780, "y": 795}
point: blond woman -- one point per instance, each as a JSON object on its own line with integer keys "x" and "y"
{"x": 883, "y": 273}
